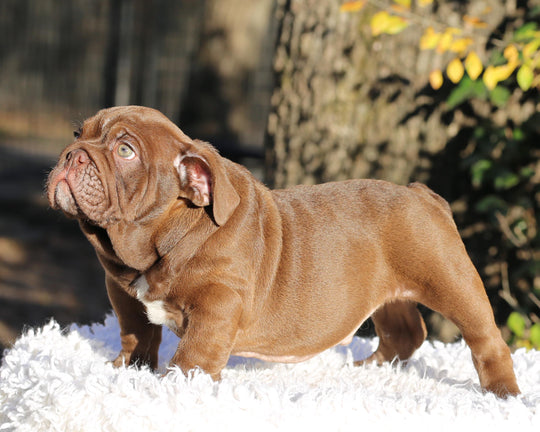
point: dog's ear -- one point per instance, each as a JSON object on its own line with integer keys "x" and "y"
{"x": 195, "y": 179}
{"x": 203, "y": 181}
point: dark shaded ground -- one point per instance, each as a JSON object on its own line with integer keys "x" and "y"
{"x": 47, "y": 268}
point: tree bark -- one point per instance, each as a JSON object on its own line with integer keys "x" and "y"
{"x": 350, "y": 105}
{"x": 347, "y": 104}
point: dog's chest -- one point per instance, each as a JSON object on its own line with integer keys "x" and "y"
{"x": 155, "y": 310}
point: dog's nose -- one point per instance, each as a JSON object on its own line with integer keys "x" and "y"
{"x": 77, "y": 157}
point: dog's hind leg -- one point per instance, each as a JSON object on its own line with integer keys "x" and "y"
{"x": 401, "y": 330}
{"x": 464, "y": 301}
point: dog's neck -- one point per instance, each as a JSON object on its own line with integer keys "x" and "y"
{"x": 183, "y": 229}
{"x": 140, "y": 245}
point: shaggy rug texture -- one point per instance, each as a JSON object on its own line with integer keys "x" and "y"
{"x": 56, "y": 379}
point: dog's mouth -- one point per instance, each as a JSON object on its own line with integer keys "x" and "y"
{"x": 62, "y": 197}
{"x": 75, "y": 187}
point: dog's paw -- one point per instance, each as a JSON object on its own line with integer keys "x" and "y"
{"x": 122, "y": 360}
{"x": 125, "y": 359}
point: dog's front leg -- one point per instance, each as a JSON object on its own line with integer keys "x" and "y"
{"x": 211, "y": 320}
{"x": 140, "y": 339}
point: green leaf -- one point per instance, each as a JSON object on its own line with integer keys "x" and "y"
{"x": 534, "y": 269}
{"x": 535, "y": 11}
{"x": 491, "y": 203}
{"x": 535, "y": 335}
{"x": 461, "y": 93}
{"x": 529, "y": 51}
{"x": 525, "y": 77}
{"x": 479, "y": 133}
{"x": 516, "y": 324}
{"x": 525, "y": 32}
{"x": 527, "y": 172}
{"x": 518, "y": 134}
{"x": 506, "y": 180}
{"x": 479, "y": 169}
{"x": 465, "y": 90}
{"x": 499, "y": 96}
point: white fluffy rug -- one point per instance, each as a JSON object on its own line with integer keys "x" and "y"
{"x": 60, "y": 380}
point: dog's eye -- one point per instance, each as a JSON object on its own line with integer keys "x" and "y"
{"x": 77, "y": 133}
{"x": 125, "y": 151}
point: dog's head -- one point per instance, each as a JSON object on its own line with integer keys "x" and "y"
{"x": 131, "y": 164}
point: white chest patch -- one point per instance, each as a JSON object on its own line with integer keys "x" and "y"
{"x": 141, "y": 287}
{"x": 155, "y": 310}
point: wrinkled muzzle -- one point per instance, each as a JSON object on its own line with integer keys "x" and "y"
{"x": 75, "y": 187}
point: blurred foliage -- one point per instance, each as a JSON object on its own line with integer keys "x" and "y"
{"x": 503, "y": 167}
{"x": 502, "y": 159}
{"x": 524, "y": 335}
{"x": 499, "y": 157}
{"x": 521, "y": 53}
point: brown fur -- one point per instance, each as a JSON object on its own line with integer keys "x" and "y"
{"x": 235, "y": 268}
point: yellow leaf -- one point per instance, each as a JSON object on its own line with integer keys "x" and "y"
{"x": 460, "y": 45}
{"x": 454, "y": 30}
{"x": 474, "y": 21}
{"x": 383, "y": 22}
{"x": 379, "y": 22}
{"x": 399, "y": 9}
{"x": 489, "y": 78}
{"x": 473, "y": 65}
{"x": 398, "y": 24}
{"x": 436, "y": 79}
{"x": 455, "y": 70}
{"x": 404, "y": 3}
{"x": 493, "y": 75}
{"x": 423, "y": 3}
{"x": 429, "y": 39}
{"x": 511, "y": 54}
{"x": 446, "y": 39}
{"x": 445, "y": 42}
{"x": 401, "y": 6}
{"x": 352, "y": 6}
{"x": 505, "y": 71}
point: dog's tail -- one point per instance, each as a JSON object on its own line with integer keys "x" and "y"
{"x": 419, "y": 187}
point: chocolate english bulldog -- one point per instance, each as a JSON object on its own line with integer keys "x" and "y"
{"x": 191, "y": 240}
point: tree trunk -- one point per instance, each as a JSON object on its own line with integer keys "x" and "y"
{"x": 229, "y": 85}
{"x": 348, "y": 105}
